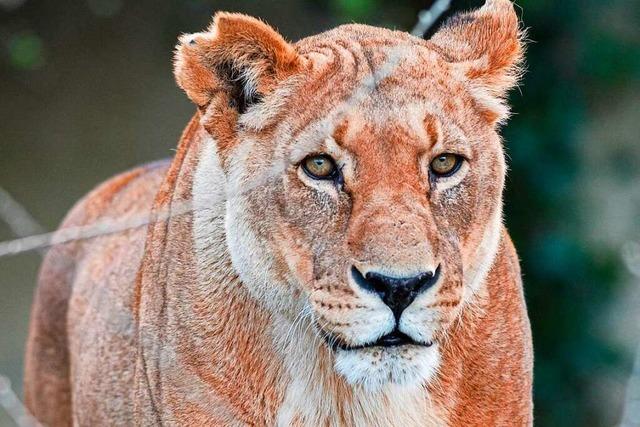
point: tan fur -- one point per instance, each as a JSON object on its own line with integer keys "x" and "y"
{"x": 223, "y": 315}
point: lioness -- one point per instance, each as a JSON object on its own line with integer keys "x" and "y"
{"x": 341, "y": 259}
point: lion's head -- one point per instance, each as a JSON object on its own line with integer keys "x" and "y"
{"x": 362, "y": 175}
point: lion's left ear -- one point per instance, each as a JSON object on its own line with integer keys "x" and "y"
{"x": 237, "y": 61}
{"x": 486, "y": 45}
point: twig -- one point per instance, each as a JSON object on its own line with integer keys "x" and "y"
{"x": 631, "y": 415}
{"x": 21, "y": 223}
{"x": 14, "y": 407}
{"x": 17, "y": 217}
{"x": 101, "y": 228}
{"x": 631, "y": 257}
{"x": 428, "y": 17}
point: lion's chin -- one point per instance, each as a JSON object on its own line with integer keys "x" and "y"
{"x": 374, "y": 367}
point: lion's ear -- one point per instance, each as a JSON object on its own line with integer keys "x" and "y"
{"x": 236, "y": 62}
{"x": 487, "y": 46}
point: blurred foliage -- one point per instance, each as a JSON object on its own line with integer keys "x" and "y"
{"x": 582, "y": 55}
{"x": 576, "y": 60}
{"x": 354, "y": 9}
{"x": 105, "y": 8}
{"x": 25, "y": 51}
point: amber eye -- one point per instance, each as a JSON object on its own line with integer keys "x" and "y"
{"x": 446, "y": 164}
{"x": 320, "y": 166}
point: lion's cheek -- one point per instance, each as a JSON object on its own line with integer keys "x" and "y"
{"x": 295, "y": 254}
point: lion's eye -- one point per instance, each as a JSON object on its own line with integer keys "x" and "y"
{"x": 320, "y": 166}
{"x": 446, "y": 164}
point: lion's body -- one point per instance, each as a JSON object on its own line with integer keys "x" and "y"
{"x": 485, "y": 372}
{"x": 82, "y": 339}
{"x": 216, "y": 312}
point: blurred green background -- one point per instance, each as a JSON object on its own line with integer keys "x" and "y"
{"x": 86, "y": 90}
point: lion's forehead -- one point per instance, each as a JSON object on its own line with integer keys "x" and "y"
{"x": 379, "y": 88}
{"x": 391, "y": 75}
{"x": 362, "y": 58}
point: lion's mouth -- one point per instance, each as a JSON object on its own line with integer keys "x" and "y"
{"x": 392, "y": 339}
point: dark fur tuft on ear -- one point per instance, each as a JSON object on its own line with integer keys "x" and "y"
{"x": 241, "y": 93}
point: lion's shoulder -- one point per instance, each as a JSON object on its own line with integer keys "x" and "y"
{"x": 132, "y": 190}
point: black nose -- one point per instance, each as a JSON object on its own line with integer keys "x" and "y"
{"x": 397, "y": 293}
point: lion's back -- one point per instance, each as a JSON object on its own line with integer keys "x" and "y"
{"x": 81, "y": 338}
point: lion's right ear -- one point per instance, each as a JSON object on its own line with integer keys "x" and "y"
{"x": 487, "y": 46}
{"x": 233, "y": 64}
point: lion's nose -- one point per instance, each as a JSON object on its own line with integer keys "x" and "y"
{"x": 397, "y": 293}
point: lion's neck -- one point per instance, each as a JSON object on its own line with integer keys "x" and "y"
{"x": 316, "y": 395}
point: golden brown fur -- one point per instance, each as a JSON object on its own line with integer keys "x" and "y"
{"x": 243, "y": 309}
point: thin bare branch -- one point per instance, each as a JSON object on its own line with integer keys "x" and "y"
{"x": 101, "y": 228}
{"x": 631, "y": 415}
{"x": 17, "y": 217}
{"x": 428, "y": 17}
{"x": 14, "y": 407}
{"x": 21, "y": 223}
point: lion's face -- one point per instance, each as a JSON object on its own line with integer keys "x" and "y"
{"x": 369, "y": 211}
{"x": 363, "y": 200}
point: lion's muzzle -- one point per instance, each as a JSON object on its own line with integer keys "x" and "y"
{"x": 396, "y": 293}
